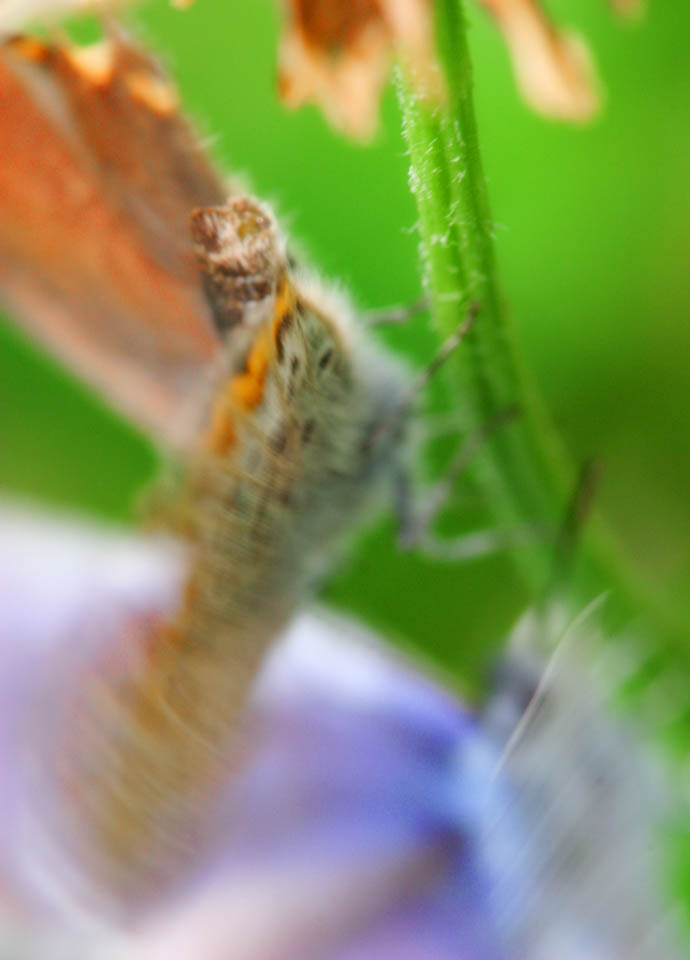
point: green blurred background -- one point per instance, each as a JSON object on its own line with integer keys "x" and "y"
{"x": 591, "y": 229}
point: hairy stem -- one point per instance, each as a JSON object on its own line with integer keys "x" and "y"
{"x": 526, "y": 477}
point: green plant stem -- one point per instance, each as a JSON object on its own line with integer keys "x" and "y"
{"x": 526, "y": 478}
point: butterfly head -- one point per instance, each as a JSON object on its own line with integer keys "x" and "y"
{"x": 242, "y": 261}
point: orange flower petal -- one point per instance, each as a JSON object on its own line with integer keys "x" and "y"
{"x": 337, "y": 55}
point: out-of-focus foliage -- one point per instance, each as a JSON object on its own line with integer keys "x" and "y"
{"x": 590, "y": 232}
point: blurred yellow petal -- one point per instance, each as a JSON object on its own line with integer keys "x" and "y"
{"x": 412, "y": 24}
{"x": 627, "y": 8}
{"x": 553, "y": 68}
{"x": 337, "y": 55}
{"x": 17, "y": 14}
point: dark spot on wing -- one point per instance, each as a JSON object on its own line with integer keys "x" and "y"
{"x": 261, "y": 512}
{"x": 285, "y": 325}
{"x": 308, "y": 430}
{"x": 325, "y": 358}
{"x": 279, "y": 440}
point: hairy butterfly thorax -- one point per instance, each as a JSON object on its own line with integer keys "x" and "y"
{"x": 293, "y": 444}
{"x": 302, "y": 421}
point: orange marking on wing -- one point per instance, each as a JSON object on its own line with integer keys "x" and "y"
{"x": 285, "y": 303}
{"x": 248, "y": 387}
{"x": 153, "y": 92}
{"x": 95, "y": 63}
{"x": 245, "y": 390}
{"x": 220, "y": 436}
{"x": 29, "y": 48}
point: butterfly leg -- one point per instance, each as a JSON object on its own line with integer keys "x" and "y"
{"x": 416, "y": 522}
{"x": 396, "y": 315}
{"x": 398, "y": 415}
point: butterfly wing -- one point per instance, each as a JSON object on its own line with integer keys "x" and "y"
{"x": 99, "y": 176}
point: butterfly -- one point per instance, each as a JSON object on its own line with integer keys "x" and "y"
{"x": 283, "y": 415}
{"x": 295, "y": 410}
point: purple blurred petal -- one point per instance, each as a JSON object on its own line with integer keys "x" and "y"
{"x": 571, "y": 837}
{"x": 338, "y": 832}
{"x": 371, "y": 819}
{"x": 64, "y": 588}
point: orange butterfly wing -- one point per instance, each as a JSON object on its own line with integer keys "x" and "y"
{"x": 98, "y": 178}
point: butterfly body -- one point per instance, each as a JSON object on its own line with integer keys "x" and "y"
{"x": 291, "y": 451}
{"x": 281, "y": 416}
